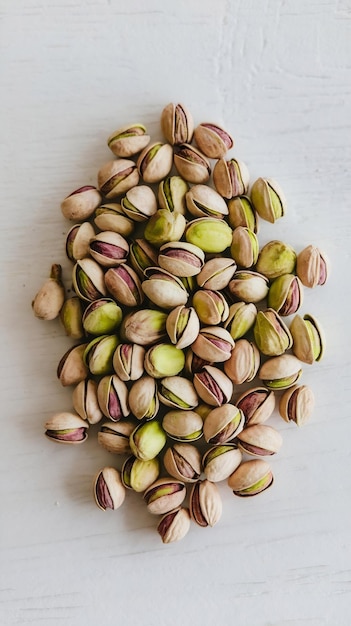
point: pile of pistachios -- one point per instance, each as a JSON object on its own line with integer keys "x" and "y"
{"x": 175, "y": 307}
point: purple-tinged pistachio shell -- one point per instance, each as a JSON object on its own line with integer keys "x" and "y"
{"x": 114, "y": 436}
{"x": 242, "y": 213}
{"x": 112, "y": 396}
{"x": 88, "y": 280}
{"x": 164, "y": 495}
{"x": 191, "y": 164}
{"x": 177, "y": 124}
{"x": 128, "y": 140}
{"x": 251, "y": 478}
{"x": 285, "y": 294}
{"x": 257, "y": 405}
{"x": 109, "y": 249}
{"x": 183, "y": 461}
{"x": 124, "y": 285}
{"x": 111, "y": 217}
{"x": 143, "y": 399}
{"x": 216, "y": 273}
{"x": 203, "y": 201}
{"x": 116, "y": 177}
{"x": 223, "y": 424}
{"x": 231, "y": 178}
{"x": 164, "y": 289}
{"x": 213, "y": 140}
{"x": 308, "y": 338}
{"x": 77, "y": 241}
{"x": 205, "y": 503}
{"x": 174, "y": 525}
{"x": 214, "y": 344}
{"x": 109, "y": 491}
{"x": 102, "y": 317}
{"x": 128, "y": 361}
{"x": 213, "y": 386}
{"x": 260, "y": 440}
{"x": 66, "y": 428}
{"x": 268, "y": 199}
{"x": 81, "y": 203}
{"x": 272, "y": 336}
{"x": 297, "y": 404}
{"x": 244, "y": 361}
{"x": 85, "y": 401}
{"x": 280, "y": 372}
{"x": 72, "y": 368}
{"x": 312, "y": 267}
{"x": 181, "y": 258}
{"x": 98, "y": 354}
{"x": 182, "y": 326}
{"x": 139, "y": 203}
{"x": 155, "y": 162}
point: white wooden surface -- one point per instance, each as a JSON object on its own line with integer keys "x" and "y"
{"x": 277, "y": 73}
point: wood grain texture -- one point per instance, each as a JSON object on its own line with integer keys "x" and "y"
{"x": 277, "y": 74}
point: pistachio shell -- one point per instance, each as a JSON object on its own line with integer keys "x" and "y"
{"x": 128, "y": 140}
{"x": 155, "y": 162}
{"x": 143, "y": 398}
{"x": 260, "y": 440}
{"x": 124, "y": 285}
{"x": 251, "y": 478}
{"x": 183, "y": 461}
{"x": 272, "y": 336}
{"x": 243, "y": 363}
{"x": 144, "y": 327}
{"x": 280, "y": 372}
{"x": 164, "y": 227}
{"x": 177, "y": 392}
{"x": 142, "y": 255}
{"x": 223, "y": 424}
{"x": 308, "y": 338}
{"x": 177, "y": 124}
{"x": 213, "y": 344}
{"x": 216, "y": 273}
{"x": 240, "y": 319}
{"x": 231, "y": 178}
{"x": 139, "y": 203}
{"x": 77, "y": 241}
{"x": 276, "y": 259}
{"x": 112, "y": 396}
{"x": 210, "y": 306}
{"x": 116, "y": 177}
{"x": 244, "y": 247}
{"x": 191, "y": 164}
{"x": 114, "y": 436}
{"x": 205, "y": 503}
{"x": 285, "y": 294}
{"x": 171, "y": 194}
{"x": 268, "y": 199}
{"x": 163, "y": 360}
{"x": 213, "y": 386}
{"x": 147, "y": 440}
{"x": 312, "y": 267}
{"x": 163, "y": 289}
{"x": 164, "y": 495}
{"x": 72, "y": 368}
{"x": 213, "y": 140}
{"x": 209, "y": 234}
{"x": 102, "y": 317}
{"x": 67, "y": 428}
{"x": 81, "y": 203}
{"x": 88, "y": 280}
{"x": 85, "y": 401}
{"x": 182, "y": 326}
{"x": 98, "y": 354}
{"x": 128, "y": 361}
{"x": 242, "y": 213}
{"x": 183, "y": 425}
{"x": 203, "y": 201}
{"x": 139, "y": 475}
{"x": 181, "y": 258}
{"x": 249, "y": 286}
{"x": 71, "y": 317}
{"x": 111, "y": 217}
{"x": 257, "y": 405}
{"x": 220, "y": 461}
{"x": 109, "y": 491}
{"x": 174, "y": 525}
{"x": 297, "y": 404}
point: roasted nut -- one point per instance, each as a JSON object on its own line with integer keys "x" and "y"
{"x": 181, "y": 258}
{"x": 114, "y": 437}
{"x": 144, "y": 327}
{"x": 308, "y": 338}
{"x": 164, "y": 359}
{"x": 128, "y": 361}
{"x": 213, "y": 344}
{"x": 241, "y": 318}
{"x": 147, "y": 440}
{"x": 139, "y": 203}
{"x": 77, "y": 241}
{"x": 109, "y": 491}
{"x": 66, "y": 428}
{"x": 280, "y": 372}
{"x": 109, "y": 249}
{"x": 191, "y": 164}
{"x": 210, "y": 306}
{"x": 72, "y": 368}
{"x": 171, "y": 194}
{"x": 142, "y": 255}
{"x": 213, "y": 386}
{"x": 177, "y": 392}
{"x": 268, "y": 199}
{"x": 251, "y": 478}
{"x": 112, "y": 217}
{"x": 183, "y": 425}
{"x": 276, "y": 259}
{"x": 220, "y": 462}
{"x": 312, "y": 267}
{"x": 139, "y": 475}
{"x": 272, "y": 336}
{"x": 213, "y": 140}
{"x": 124, "y": 285}
{"x": 88, "y": 280}
{"x": 116, "y": 177}
{"x": 244, "y": 361}
{"x": 182, "y": 326}
{"x": 98, "y": 355}
{"x": 128, "y": 140}
{"x": 164, "y": 227}
{"x": 209, "y": 234}
{"x": 81, "y": 203}
{"x": 155, "y": 162}
{"x": 249, "y": 286}
{"x": 164, "y": 495}
{"x": 231, "y": 178}
{"x": 112, "y": 396}
{"x": 205, "y": 503}
{"x": 259, "y": 440}
{"x": 285, "y": 294}
{"x": 244, "y": 247}
{"x": 203, "y": 201}
{"x": 177, "y": 124}
{"x": 216, "y": 273}
{"x": 164, "y": 289}
{"x": 183, "y": 461}
{"x": 102, "y": 317}
{"x": 242, "y": 213}
{"x": 143, "y": 398}
{"x": 297, "y": 404}
{"x": 223, "y": 424}
{"x": 71, "y": 315}
{"x": 85, "y": 401}
{"x": 257, "y": 405}
{"x": 49, "y": 300}
{"x": 193, "y": 363}
{"x": 174, "y": 526}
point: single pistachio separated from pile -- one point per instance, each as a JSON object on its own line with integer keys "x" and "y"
{"x": 297, "y": 404}
{"x": 49, "y": 300}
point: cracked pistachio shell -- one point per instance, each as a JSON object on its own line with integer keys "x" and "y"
{"x": 183, "y": 461}
{"x": 272, "y": 336}
{"x": 164, "y": 289}
{"x": 183, "y": 425}
{"x": 220, "y": 462}
{"x": 213, "y": 344}
{"x": 174, "y": 525}
{"x": 216, "y": 273}
{"x": 71, "y": 315}
{"x": 147, "y": 440}
{"x": 143, "y": 398}
{"x": 280, "y": 372}
{"x": 102, "y": 317}
{"x": 81, "y": 203}
{"x": 124, "y": 285}
{"x": 112, "y": 396}
{"x": 308, "y": 338}
{"x": 164, "y": 495}
{"x": 231, "y": 178}
{"x": 128, "y": 361}
{"x": 163, "y": 360}
{"x": 241, "y": 318}
{"x": 109, "y": 491}
{"x": 109, "y": 249}
{"x": 285, "y": 294}
{"x": 182, "y": 326}
{"x": 116, "y": 177}
{"x": 242, "y": 213}
{"x": 210, "y": 306}
{"x": 268, "y": 199}
{"x": 243, "y": 363}
{"x": 191, "y": 164}
{"x": 171, "y": 194}
{"x": 312, "y": 267}
{"x": 203, "y": 201}
{"x": 139, "y": 203}
{"x": 181, "y": 258}
{"x": 260, "y": 440}
{"x": 276, "y": 259}
{"x": 50, "y": 298}
{"x": 98, "y": 354}
{"x": 85, "y": 401}
{"x": 155, "y": 162}
{"x": 193, "y": 363}
{"x": 142, "y": 255}
{"x": 111, "y": 217}
{"x": 223, "y": 424}
{"x": 177, "y": 392}
{"x": 139, "y": 475}
{"x": 128, "y": 140}
{"x": 144, "y": 327}
{"x": 213, "y": 140}
{"x": 77, "y": 241}
{"x": 177, "y": 124}
{"x": 88, "y": 280}
{"x": 251, "y": 478}
{"x": 66, "y": 427}
{"x": 297, "y": 404}
{"x": 164, "y": 227}
{"x": 257, "y": 405}
{"x": 209, "y": 234}
{"x": 205, "y": 503}
{"x": 72, "y": 368}
{"x": 114, "y": 436}
{"x": 213, "y": 386}
{"x": 249, "y": 286}
{"x": 244, "y": 247}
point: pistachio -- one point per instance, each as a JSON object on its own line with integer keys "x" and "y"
{"x": 88, "y": 280}
{"x": 243, "y": 363}
{"x": 276, "y": 259}
{"x": 203, "y": 201}
{"x": 171, "y": 194}
{"x": 268, "y": 199}
{"x": 139, "y": 475}
{"x": 177, "y": 392}
{"x": 155, "y": 162}
{"x": 49, "y": 300}
{"x": 209, "y": 234}
{"x": 280, "y": 372}
{"x": 164, "y": 495}
{"x": 193, "y": 363}
{"x": 308, "y": 338}
{"x": 139, "y": 203}
{"x": 164, "y": 227}
{"x": 191, "y": 164}
{"x": 177, "y": 124}
{"x": 257, "y": 405}
{"x": 77, "y": 241}
{"x": 114, "y": 437}
{"x": 231, "y": 178}
{"x": 109, "y": 249}
{"x": 164, "y": 289}
{"x": 220, "y": 462}
{"x": 213, "y": 386}
{"x": 144, "y": 327}
{"x": 128, "y": 140}
{"x": 259, "y": 440}
{"x": 216, "y": 273}
{"x": 251, "y": 478}
{"x": 147, "y": 440}
{"x": 143, "y": 398}
{"x": 242, "y": 213}
{"x": 128, "y": 361}
{"x": 72, "y": 368}
{"x": 182, "y": 326}
{"x": 109, "y": 491}
{"x": 312, "y": 267}
{"x": 98, "y": 354}
{"x": 241, "y": 319}
{"x": 112, "y": 396}
{"x": 205, "y": 503}
{"x": 66, "y": 428}
{"x": 181, "y": 258}
{"x": 297, "y": 404}
{"x": 210, "y": 306}
{"x": 85, "y": 401}
{"x": 112, "y": 217}
{"x": 214, "y": 344}
{"x": 249, "y": 286}
{"x": 174, "y": 525}
{"x": 71, "y": 315}
{"x": 285, "y": 294}
{"x": 116, "y": 177}
{"x": 212, "y": 140}
{"x": 183, "y": 425}
{"x": 124, "y": 285}
{"x": 102, "y": 317}
{"x": 142, "y": 255}
{"x": 164, "y": 359}
{"x": 223, "y": 424}
{"x": 183, "y": 461}
{"x": 272, "y": 336}
{"x": 244, "y": 247}
{"x": 81, "y": 203}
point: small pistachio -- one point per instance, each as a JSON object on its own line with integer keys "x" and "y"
{"x": 297, "y": 404}
{"x": 71, "y": 315}
{"x": 72, "y": 368}
{"x": 143, "y": 398}
{"x": 272, "y": 336}
{"x": 251, "y": 478}
{"x": 85, "y": 401}
{"x": 88, "y": 280}
{"x": 223, "y": 424}
{"x": 183, "y": 461}
{"x": 164, "y": 495}
{"x": 213, "y": 140}
{"x": 276, "y": 259}
{"x": 209, "y": 234}
{"x": 216, "y": 273}
{"x": 124, "y": 285}
{"x": 210, "y": 306}
{"x": 244, "y": 247}
{"x": 257, "y": 405}
{"x": 203, "y": 201}
{"x": 231, "y": 178}
{"x": 49, "y": 300}
{"x": 242, "y": 213}
{"x": 81, "y": 203}
{"x": 98, "y": 354}
{"x": 177, "y": 392}
{"x": 183, "y": 425}
{"x": 164, "y": 359}
{"x": 220, "y": 462}
{"x": 243, "y": 363}
{"x": 77, "y": 241}
{"x": 114, "y": 437}
{"x": 109, "y": 249}
{"x": 213, "y": 386}
{"x": 164, "y": 289}
{"x": 249, "y": 286}
{"x": 109, "y": 491}
{"x": 112, "y": 396}
{"x": 268, "y": 199}
{"x": 241, "y": 319}
{"x": 308, "y": 338}
{"x": 312, "y": 267}
{"x": 259, "y": 440}
{"x": 147, "y": 440}
{"x": 280, "y": 372}
{"x": 163, "y": 227}
{"x": 142, "y": 255}
{"x": 285, "y": 294}
{"x": 144, "y": 327}
{"x": 102, "y": 317}
{"x": 174, "y": 525}
{"x": 116, "y": 177}
{"x": 112, "y": 217}
{"x": 182, "y": 326}
{"x": 191, "y": 164}
{"x": 128, "y": 361}
{"x": 171, "y": 194}
{"x": 177, "y": 124}
{"x": 155, "y": 162}
{"x": 139, "y": 203}
{"x": 181, "y": 258}
{"x": 213, "y": 344}
{"x": 66, "y": 428}
{"x": 139, "y": 475}
{"x": 128, "y": 140}
{"x": 205, "y": 503}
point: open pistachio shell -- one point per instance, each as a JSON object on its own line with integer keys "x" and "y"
{"x": 213, "y": 344}
{"x": 276, "y": 259}
{"x": 112, "y": 396}
{"x": 116, "y": 177}
{"x": 171, "y": 194}
{"x": 183, "y": 461}
{"x": 244, "y": 361}
{"x": 85, "y": 401}
{"x": 98, "y": 354}
{"x": 102, "y": 317}
{"x": 144, "y": 327}
{"x": 213, "y": 140}
{"x": 177, "y": 392}
{"x": 280, "y": 372}
{"x": 251, "y": 478}
{"x": 112, "y": 217}
{"x": 205, "y": 503}
{"x": 191, "y": 164}
{"x": 312, "y": 267}
{"x": 272, "y": 336}
{"x": 163, "y": 360}
{"x": 268, "y": 199}
{"x": 183, "y": 425}
{"x": 213, "y": 386}
{"x": 216, "y": 273}
{"x": 249, "y": 286}
{"x": 77, "y": 241}
{"x": 109, "y": 249}
{"x": 128, "y": 140}
{"x": 164, "y": 495}
{"x": 155, "y": 162}
{"x": 147, "y": 440}
{"x": 297, "y": 404}
{"x": 203, "y": 201}
{"x": 257, "y": 405}
{"x": 242, "y": 213}
{"x": 220, "y": 461}
{"x": 231, "y": 178}
{"x": 128, "y": 361}
{"x": 164, "y": 289}
{"x": 81, "y": 203}
{"x": 174, "y": 525}
{"x": 139, "y": 203}
{"x": 72, "y": 367}
{"x": 182, "y": 326}
{"x": 139, "y": 475}
{"x": 285, "y": 294}
{"x": 209, "y": 234}
{"x": 114, "y": 436}
{"x": 66, "y": 427}
{"x": 181, "y": 258}
{"x": 210, "y": 306}
{"x": 223, "y": 424}
{"x": 308, "y": 338}
{"x": 260, "y": 440}
{"x": 241, "y": 318}
{"x": 124, "y": 285}
{"x": 143, "y": 398}
{"x": 109, "y": 491}
{"x": 244, "y": 247}
{"x": 177, "y": 124}
{"x": 142, "y": 255}
{"x": 88, "y": 280}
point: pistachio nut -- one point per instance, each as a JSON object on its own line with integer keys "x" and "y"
{"x": 251, "y": 478}
{"x": 114, "y": 436}
{"x": 147, "y": 440}
{"x": 297, "y": 404}
{"x": 216, "y": 273}
{"x": 163, "y": 359}
{"x": 191, "y": 164}
{"x": 203, "y": 201}
{"x": 257, "y": 405}
{"x": 183, "y": 425}
{"x": 182, "y": 326}
{"x": 139, "y": 475}
{"x": 243, "y": 363}
{"x": 213, "y": 386}
{"x": 183, "y": 461}
{"x": 116, "y": 177}
{"x": 210, "y": 306}
{"x": 244, "y": 247}
{"x": 171, "y": 194}
{"x": 209, "y": 234}
{"x": 98, "y": 354}
{"x": 88, "y": 280}
{"x": 272, "y": 336}
{"x": 49, "y": 300}
{"x": 249, "y": 286}
{"x": 112, "y": 217}
{"x": 77, "y": 241}
{"x": 155, "y": 162}
{"x": 72, "y": 368}
{"x": 242, "y": 213}
{"x": 205, "y": 503}
{"x": 81, "y": 203}
{"x": 109, "y": 249}
{"x": 66, "y": 428}
{"x": 164, "y": 289}
{"x": 144, "y": 327}
{"x": 308, "y": 338}
{"x": 177, "y": 392}
{"x": 109, "y": 491}
{"x": 112, "y": 396}
{"x": 285, "y": 294}
{"x": 280, "y": 372}
{"x": 312, "y": 267}
{"x": 85, "y": 401}
{"x": 128, "y": 140}
{"x": 163, "y": 227}
{"x": 142, "y": 255}
{"x": 276, "y": 259}
{"x": 193, "y": 363}
{"x": 213, "y": 344}
{"x": 164, "y": 495}
{"x": 220, "y": 461}
{"x": 102, "y": 317}
{"x": 174, "y": 525}
{"x": 203, "y": 410}
{"x": 177, "y": 124}
{"x": 139, "y": 203}
{"x": 128, "y": 361}
{"x": 268, "y": 199}
{"x": 181, "y": 258}
{"x": 124, "y": 285}
{"x": 260, "y": 440}
{"x": 143, "y": 398}
{"x": 231, "y": 178}
{"x": 223, "y": 424}
{"x": 71, "y": 315}
{"x": 241, "y": 319}
{"x": 213, "y": 140}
